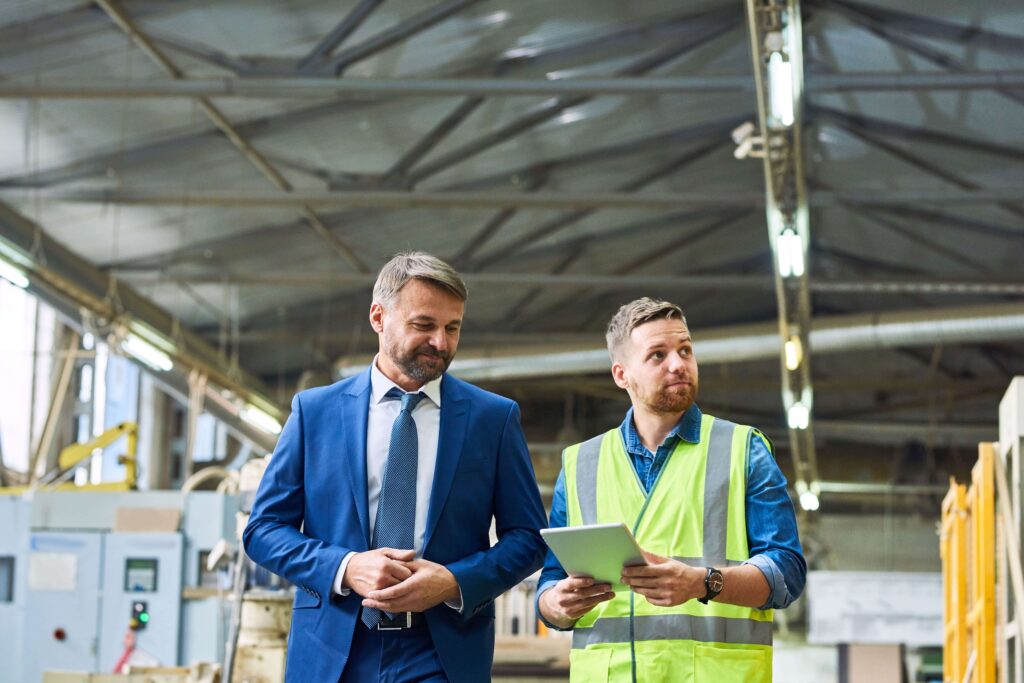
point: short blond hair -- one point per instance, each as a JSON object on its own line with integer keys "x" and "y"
{"x": 418, "y": 265}
{"x": 634, "y": 314}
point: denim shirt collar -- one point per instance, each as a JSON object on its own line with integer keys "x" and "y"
{"x": 687, "y": 429}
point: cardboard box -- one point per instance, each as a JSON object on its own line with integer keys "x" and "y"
{"x": 148, "y": 520}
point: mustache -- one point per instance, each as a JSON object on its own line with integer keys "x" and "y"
{"x": 431, "y": 351}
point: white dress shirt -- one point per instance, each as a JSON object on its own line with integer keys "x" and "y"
{"x": 380, "y": 419}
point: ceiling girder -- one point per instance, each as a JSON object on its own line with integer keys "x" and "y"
{"x": 217, "y": 117}
{"x": 298, "y": 88}
{"x": 401, "y": 199}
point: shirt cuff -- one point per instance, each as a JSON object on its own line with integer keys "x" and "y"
{"x": 541, "y": 589}
{"x": 778, "y": 593}
{"x": 456, "y": 604}
{"x": 340, "y": 576}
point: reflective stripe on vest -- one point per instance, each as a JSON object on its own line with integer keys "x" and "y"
{"x": 675, "y": 627}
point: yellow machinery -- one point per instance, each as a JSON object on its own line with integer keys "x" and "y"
{"x": 76, "y": 453}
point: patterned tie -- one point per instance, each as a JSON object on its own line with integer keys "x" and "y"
{"x": 396, "y": 508}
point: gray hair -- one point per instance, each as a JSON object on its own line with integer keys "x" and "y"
{"x": 634, "y": 314}
{"x": 417, "y": 265}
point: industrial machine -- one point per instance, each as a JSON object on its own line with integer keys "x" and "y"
{"x": 78, "y": 570}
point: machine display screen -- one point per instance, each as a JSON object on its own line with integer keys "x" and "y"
{"x": 140, "y": 575}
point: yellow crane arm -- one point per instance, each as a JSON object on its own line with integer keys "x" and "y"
{"x": 77, "y": 452}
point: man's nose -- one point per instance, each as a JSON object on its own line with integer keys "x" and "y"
{"x": 439, "y": 340}
{"x": 676, "y": 363}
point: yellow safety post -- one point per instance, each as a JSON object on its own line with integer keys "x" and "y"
{"x": 953, "y": 550}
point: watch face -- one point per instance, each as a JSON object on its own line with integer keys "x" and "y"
{"x": 715, "y": 582}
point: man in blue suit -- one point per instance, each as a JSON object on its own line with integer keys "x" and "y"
{"x": 378, "y": 501}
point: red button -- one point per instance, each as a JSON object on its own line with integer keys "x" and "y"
{"x": 59, "y": 634}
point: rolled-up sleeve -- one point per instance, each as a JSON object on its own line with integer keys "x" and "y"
{"x": 772, "y": 536}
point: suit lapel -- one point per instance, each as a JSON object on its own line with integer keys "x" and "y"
{"x": 355, "y": 408}
{"x": 454, "y": 408}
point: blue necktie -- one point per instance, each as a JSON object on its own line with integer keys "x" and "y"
{"x": 396, "y": 508}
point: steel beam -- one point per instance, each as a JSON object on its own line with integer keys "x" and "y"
{"x": 400, "y": 199}
{"x": 930, "y": 27}
{"x": 295, "y": 88}
{"x": 396, "y": 34}
{"x": 547, "y": 111}
{"x": 956, "y": 256}
{"x": 432, "y": 139}
{"x": 937, "y": 57}
{"x": 76, "y": 288}
{"x": 99, "y": 163}
{"x": 549, "y": 228}
{"x": 494, "y": 224}
{"x": 646, "y": 260}
{"x": 306, "y": 279}
{"x": 202, "y": 52}
{"x": 56, "y": 409}
{"x": 656, "y": 142}
{"x": 62, "y": 25}
{"x": 124, "y": 22}
{"x": 909, "y": 133}
{"x": 928, "y": 167}
{"x": 970, "y": 224}
{"x": 153, "y": 151}
{"x": 352, "y": 21}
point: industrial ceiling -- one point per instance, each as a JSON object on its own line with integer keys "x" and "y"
{"x": 239, "y": 171}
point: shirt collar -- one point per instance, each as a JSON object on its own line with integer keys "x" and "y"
{"x": 687, "y": 429}
{"x": 380, "y": 385}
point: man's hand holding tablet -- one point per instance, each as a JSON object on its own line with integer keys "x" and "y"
{"x": 594, "y": 557}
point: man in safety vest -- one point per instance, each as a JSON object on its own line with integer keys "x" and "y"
{"x": 707, "y": 503}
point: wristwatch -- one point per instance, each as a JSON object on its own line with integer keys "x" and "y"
{"x": 713, "y": 583}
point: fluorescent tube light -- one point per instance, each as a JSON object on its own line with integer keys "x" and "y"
{"x": 789, "y": 248}
{"x": 260, "y": 419}
{"x": 145, "y": 352}
{"x": 794, "y": 352}
{"x": 809, "y": 501}
{"x": 13, "y": 275}
{"x": 780, "y": 87}
{"x": 798, "y": 416}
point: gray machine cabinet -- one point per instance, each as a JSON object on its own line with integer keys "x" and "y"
{"x": 147, "y": 568}
{"x": 63, "y": 577}
{"x": 209, "y": 517}
{"x": 14, "y": 515}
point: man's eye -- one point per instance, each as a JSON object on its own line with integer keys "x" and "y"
{"x": 657, "y": 355}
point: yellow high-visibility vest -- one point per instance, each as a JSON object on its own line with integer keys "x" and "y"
{"x": 696, "y": 513}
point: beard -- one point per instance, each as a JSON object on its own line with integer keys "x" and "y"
{"x": 667, "y": 399}
{"x": 423, "y": 364}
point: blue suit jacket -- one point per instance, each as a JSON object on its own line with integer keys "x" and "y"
{"x": 311, "y": 510}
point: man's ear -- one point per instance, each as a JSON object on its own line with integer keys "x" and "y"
{"x": 377, "y": 317}
{"x": 619, "y": 375}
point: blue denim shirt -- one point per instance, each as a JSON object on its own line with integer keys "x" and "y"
{"x": 771, "y": 522}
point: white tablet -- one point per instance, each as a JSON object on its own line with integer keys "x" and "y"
{"x": 599, "y": 551}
